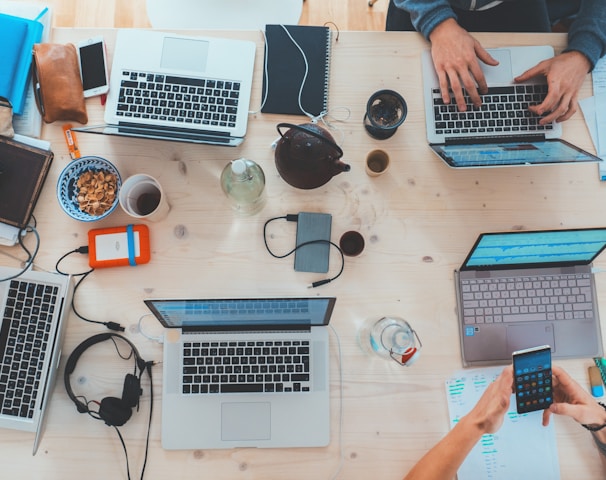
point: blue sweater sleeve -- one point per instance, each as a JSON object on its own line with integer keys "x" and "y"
{"x": 587, "y": 34}
{"x": 426, "y": 14}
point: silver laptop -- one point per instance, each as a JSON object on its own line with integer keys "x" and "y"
{"x": 35, "y": 305}
{"x": 502, "y": 131}
{"x": 175, "y": 87}
{"x": 245, "y": 372}
{"x": 520, "y": 289}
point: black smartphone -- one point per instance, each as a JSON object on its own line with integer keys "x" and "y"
{"x": 532, "y": 379}
{"x": 93, "y": 66}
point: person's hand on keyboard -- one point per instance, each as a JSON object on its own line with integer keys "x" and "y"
{"x": 455, "y": 56}
{"x": 565, "y": 73}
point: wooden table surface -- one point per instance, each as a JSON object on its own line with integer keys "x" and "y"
{"x": 419, "y": 220}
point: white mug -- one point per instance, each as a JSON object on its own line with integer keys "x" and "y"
{"x": 141, "y": 196}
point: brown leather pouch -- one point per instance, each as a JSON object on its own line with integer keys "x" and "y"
{"x": 57, "y": 83}
{"x": 6, "y": 118}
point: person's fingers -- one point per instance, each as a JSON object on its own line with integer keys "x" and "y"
{"x": 483, "y": 54}
{"x": 476, "y": 70}
{"x": 444, "y": 86}
{"x": 530, "y": 73}
{"x": 457, "y": 89}
{"x": 574, "y": 411}
{"x": 546, "y": 417}
{"x": 555, "y": 114}
{"x": 572, "y": 109}
{"x": 507, "y": 376}
{"x": 470, "y": 82}
{"x": 562, "y": 379}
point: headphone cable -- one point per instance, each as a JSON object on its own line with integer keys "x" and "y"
{"x": 148, "y": 367}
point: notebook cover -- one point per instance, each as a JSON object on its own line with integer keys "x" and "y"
{"x": 286, "y": 69}
{"x": 21, "y": 47}
{"x": 12, "y": 33}
{"x": 23, "y": 169}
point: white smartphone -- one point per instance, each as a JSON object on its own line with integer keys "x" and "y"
{"x": 93, "y": 66}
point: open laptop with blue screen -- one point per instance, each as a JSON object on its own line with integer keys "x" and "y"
{"x": 520, "y": 289}
{"x": 502, "y": 131}
{"x": 245, "y": 372}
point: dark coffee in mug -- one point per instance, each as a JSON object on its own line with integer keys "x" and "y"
{"x": 148, "y": 202}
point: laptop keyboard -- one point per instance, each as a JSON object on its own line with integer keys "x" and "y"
{"x": 24, "y": 337}
{"x": 186, "y": 100}
{"x": 245, "y": 367}
{"x": 533, "y": 298}
{"x": 503, "y": 110}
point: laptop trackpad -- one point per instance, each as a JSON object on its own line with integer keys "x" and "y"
{"x": 246, "y": 421}
{"x": 520, "y": 337}
{"x": 502, "y": 73}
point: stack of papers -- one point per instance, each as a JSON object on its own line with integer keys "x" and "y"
{"x": 594, "y": 111}
{"x": 522, "y": 448}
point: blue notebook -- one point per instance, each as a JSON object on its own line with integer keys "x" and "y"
{"x": 17, "y": 37}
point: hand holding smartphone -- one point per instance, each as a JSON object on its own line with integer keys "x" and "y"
{"x": 532, "y": 379}
{"x": 93, "y": 66}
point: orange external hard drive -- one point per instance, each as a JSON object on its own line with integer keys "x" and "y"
{"x": 118, "y": 246}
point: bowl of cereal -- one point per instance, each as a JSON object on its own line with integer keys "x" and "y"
{"x": 87, "y": 188}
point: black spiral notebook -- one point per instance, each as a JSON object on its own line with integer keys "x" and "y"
{"x": 286, "y": 69}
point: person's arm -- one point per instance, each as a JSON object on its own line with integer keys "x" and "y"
{"x": 425, "y": 15}
{"x": 587, "y": 33}
{"x": 571, "y": 400}
{"x": 445, "y": 458}
{"x": 565, "y": 73}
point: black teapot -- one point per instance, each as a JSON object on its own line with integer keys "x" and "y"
{"x": 307, "y": 156}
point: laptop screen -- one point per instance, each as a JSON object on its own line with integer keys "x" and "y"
{"x": 511, "y": 153}
{"x": 532, "y": 249}
{"x": 235, "y": 313}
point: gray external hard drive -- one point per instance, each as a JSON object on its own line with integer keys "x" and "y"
{"x": 313, "y": 227}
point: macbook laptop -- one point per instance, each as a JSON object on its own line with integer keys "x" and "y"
{"x": 35, "y": 305}
{"x": 520, "y": 289}
{"x": 175, "y": 87}
{"x": 245, "y": 372}
{"x": 502, "y": 131}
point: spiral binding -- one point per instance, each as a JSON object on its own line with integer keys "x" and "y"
{"x": 327, "y": 71}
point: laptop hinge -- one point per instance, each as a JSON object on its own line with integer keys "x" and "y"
{"x": 176, "y": 133}
{"x": 247, "y": 328}
{"x": 496, "y": 139}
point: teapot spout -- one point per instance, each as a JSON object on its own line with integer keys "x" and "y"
{"x": 341, "y": 167}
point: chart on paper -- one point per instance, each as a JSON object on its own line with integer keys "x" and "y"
{"x": 522, "y": 448}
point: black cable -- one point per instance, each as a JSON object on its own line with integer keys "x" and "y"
{"x": 84, "y": 250}
{"x": 30, "y": 256}
{"x": 148, "y": 367}
{"x": 125, "y": 451}
{"x": 293, "y": 218}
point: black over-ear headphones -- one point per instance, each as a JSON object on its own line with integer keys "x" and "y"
{"x": 114, "y": 411}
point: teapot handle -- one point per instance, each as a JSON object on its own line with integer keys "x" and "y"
{"x": 312, "y": 133}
